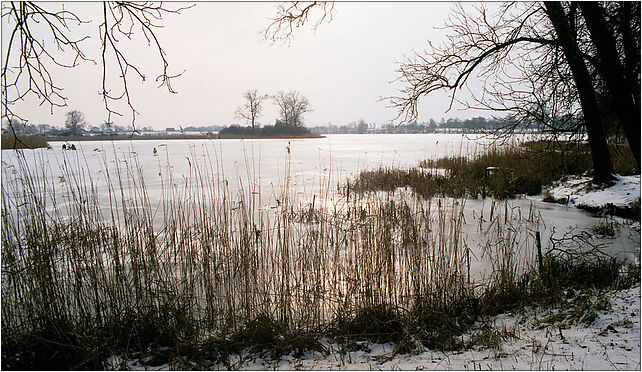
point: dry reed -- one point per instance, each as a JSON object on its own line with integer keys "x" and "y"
{"x": 90, "y": 271}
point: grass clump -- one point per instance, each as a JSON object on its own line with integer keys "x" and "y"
{"x": 558, "y": 277}
{"x": 421, "y": 182}
{"x": 260, "y": 333}
{"x": 441, "y": 327}
{"x": 261, "y": 336}
{"x": 607, "y": 227}
{"x": 380, "y": 323}
{"x": 581, "y": 308}
{"x": 489, "y": 338}
{"x": 560, "y": 274}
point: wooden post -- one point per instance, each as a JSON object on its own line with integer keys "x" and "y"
{"x": 539, "y": 252}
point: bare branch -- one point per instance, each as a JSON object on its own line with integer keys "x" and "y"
{"x": 25, "y": 70}
{"x": 120, "y": 19}
{"x": 29, "y": 57}
{"x": 292, "y": 106}
{"x": 295, "y": 14}
{"x": 493, "y": 49}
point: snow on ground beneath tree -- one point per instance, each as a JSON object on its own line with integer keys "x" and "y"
{"x": 581, "y": 192}
{"x": 610, "y": 342}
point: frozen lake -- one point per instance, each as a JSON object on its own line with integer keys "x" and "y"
{"x": 261, "y": 160}
{"x": 316, "y": 167}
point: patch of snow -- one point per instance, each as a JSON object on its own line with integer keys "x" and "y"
{"x": 580, "y": 191}
{"x": 610, "y": 342}
{"x": 441, "y": 172}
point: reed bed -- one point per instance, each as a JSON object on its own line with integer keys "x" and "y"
{"x": 10, "y": 141}
{"x": 89, "y": 271}
{"x": 500, "y": 172}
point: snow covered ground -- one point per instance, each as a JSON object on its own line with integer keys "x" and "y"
{"x": 581, "y": 192}
{"x": 610, "y": 342}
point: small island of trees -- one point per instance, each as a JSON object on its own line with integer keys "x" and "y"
{"x": 292, "y": 106}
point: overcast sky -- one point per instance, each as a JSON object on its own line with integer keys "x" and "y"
{"x": 343, "y": 67}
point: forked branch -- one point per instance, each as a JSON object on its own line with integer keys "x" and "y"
{"x": 294, "y": 14}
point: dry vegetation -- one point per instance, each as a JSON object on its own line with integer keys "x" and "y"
{"x": 10, "y": 141}
{"x": 210, "y": 272}
{"x": 502, "y": 172}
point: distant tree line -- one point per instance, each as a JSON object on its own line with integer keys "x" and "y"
{"x": 476, "y": 124}
{"x": 211, "y": 128}
{"x": 75, "y": 125}
{"x": 72, "y": 128}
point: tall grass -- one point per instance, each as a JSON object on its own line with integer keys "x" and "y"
{"x": 89, "y": 271}
{"x": 500, "y": 172}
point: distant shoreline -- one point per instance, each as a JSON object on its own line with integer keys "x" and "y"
{"x": 37, "y": 141}
{"x": 173, "y": 137}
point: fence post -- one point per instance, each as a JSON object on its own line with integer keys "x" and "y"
{"x": 539, "y": 252}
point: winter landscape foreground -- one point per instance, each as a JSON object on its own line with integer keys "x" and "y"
{"x": 515, "y": 342}
{"x": 232, "y": 239}
{"x": 582, "y": 338}
{"x": 219, "y": 229}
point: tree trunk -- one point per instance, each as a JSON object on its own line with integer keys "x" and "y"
{"x": 602, "y": 165}
{"x": 630, "y": 46}
{"x": 610, "y": 68}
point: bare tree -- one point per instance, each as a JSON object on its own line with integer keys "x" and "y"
{"x": 251, "y": 109}
{"x": 603, "y": 167}
{"x": 75, "y": 121}
{"x": 29, "y": 56}
{"x": 537, "y": 61}
{"x": 625, "y": 96}
{"x": 519, "y": 57}
{"x": 292, "y": 106}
